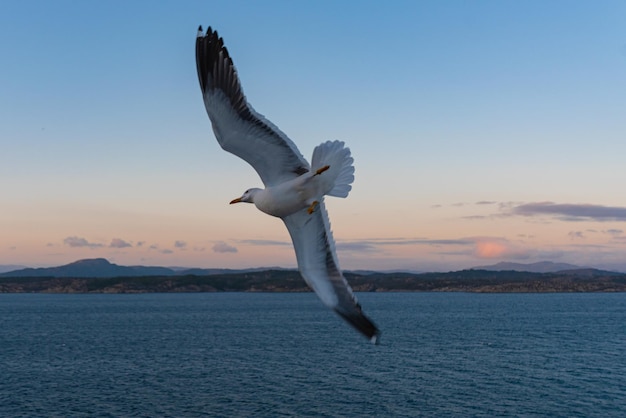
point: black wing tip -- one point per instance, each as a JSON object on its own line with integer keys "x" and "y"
{"x": 213, "y": 62}
{"x": 362, "y": 324}
{"x": 209, "y": 31}
{"x": 209, "y": 36}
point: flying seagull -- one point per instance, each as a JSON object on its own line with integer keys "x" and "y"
{"x": 294, "y": 189}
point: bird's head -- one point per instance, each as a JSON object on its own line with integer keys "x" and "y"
{"x": 247, "y": 196}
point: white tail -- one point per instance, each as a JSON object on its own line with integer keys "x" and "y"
{"x": 337, "y": 180}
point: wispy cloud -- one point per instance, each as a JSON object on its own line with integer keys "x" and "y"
{"x": 576, "y": 235}
{"x": 478, "y": 217}
{"x": 572, "y": 212}
{"x": 155, "y": 247}
{"x": 411, "y": 241}
{"x": 80, "y": 242}
{"x": 356, "y": 246}
{"x": 494, "y": 247}
{"x": 263, "y": 242}
{"x": 372, "y": 245}
{"x": 222, "y": 247}
{"x": 180, "y": 245}
{"x": 368, "y": 245}
{"x": 119, "y": 243}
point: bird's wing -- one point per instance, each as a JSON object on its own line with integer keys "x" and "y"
{"x": 238, "y": 128}
{"x": 317, "y": 261}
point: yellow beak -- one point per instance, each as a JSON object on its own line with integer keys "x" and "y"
{"x": 235, "y": 200}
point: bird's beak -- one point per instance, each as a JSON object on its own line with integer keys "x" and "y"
{"x": 235, "y": 200}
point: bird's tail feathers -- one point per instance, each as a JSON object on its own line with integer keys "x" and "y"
{"x": 337, "y": 180}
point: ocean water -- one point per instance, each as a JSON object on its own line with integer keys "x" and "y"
{"x": 257, "y": 355}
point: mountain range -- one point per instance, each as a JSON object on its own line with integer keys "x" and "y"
{"x": 540, "y": 267}
{"x": 102, "y": 268}
{"x": 10, "y": 267}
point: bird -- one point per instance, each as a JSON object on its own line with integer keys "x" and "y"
{"x": 294, "y": 189}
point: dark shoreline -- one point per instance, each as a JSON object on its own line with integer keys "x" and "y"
{"x": 478, "y": 281}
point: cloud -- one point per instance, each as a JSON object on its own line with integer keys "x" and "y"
{"x": 572, "y": 212}
{"x": 180, "y": 244}
{"x": 155, "y": 247}
{"x": 263, "y": 242}
{"x": 409, "y": 241}
{"x": 222, "y": 247}
{"x": 489, "y": 247}
{"x": 486, "y": 202}
{"x": 80, "y": 242}
{"x": 140, "y": 243}
{"x": 356, "y": 246}
{"x": 119, "y": 243}
{"x": 479, "y": 217}
{"x": 614, "y": 232}
{"x": 576, "y": 234}
{"x": 368, "y": 244}
{"x": 440, "y": 241}
{"x": 378, "y": 244}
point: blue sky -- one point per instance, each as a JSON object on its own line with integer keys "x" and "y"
{"x": 482, "y": 131}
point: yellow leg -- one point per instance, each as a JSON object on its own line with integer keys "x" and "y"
{"x": 321, "y": 170}
{"x": 311, "y": 208}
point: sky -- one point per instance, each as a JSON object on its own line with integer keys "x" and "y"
{"x": 482, "y": 131}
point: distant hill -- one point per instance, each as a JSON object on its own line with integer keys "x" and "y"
{"x": 10, "y": 267}
{"x": 540, "y": 267}
{"x": 102, "y": 268}
{"x": 94, "y": 267}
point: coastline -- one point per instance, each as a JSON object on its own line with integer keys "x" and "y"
{"x": 476, "y": 281}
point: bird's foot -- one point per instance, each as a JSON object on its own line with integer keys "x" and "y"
{"x": 311, "y": 208}
{"x": 321, "y": 170}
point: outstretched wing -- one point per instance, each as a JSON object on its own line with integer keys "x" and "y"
{"x": 317, "y": 261}
{"x": 238, "y": 128}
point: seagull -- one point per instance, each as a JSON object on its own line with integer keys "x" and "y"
{"x": 294, "y": 189}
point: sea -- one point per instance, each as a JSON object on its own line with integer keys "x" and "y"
{"x": 286, "y": 355}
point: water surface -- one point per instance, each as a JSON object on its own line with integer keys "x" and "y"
{"x": 242, "y": 354}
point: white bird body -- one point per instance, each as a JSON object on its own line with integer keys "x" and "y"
{"x": 294, "y": 190}
{"x": 287, "y": 198}
{"x": 308, "y": 189}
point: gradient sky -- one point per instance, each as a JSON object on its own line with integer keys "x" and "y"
{"x": 482, "y": 131}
